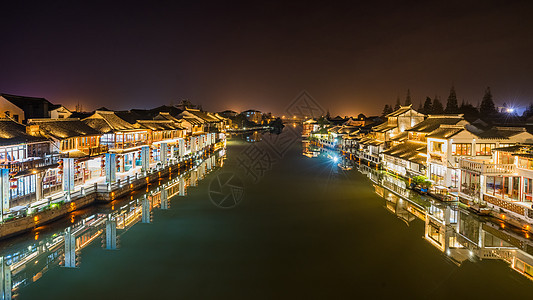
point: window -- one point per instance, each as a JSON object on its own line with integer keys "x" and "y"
{"x": 505, "y": 145}
{"x": 503, "y": 187}
{"x": 528, "y": 190}
{"x": 461, "y": 149}
{"x": 437, "y": 146}
{"x": 490, "y": 185}
{"x": 505, "y": 158}
{"x": 16, "y": 118}
{"x": 484, "y": 149}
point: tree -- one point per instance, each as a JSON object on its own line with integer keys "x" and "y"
{"x": 420, "y": 108}
{"x": 428, "y": 106}
{"x": 451, "y": 104}
{"x": 408, "y": 98}
{"x": 437, "y": 106}
{"x": 528, "y": 112}
{"x": 487, "y": 108}
{"x": 386, "y": 110}
{"x": 398, "y": 104}
{"x": 469, "y": 111}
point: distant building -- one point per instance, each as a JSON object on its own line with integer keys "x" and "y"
{"x": 309, "y": 127}
{"x": 228, "y": 113}
{"x": 22, "y": 108}
{"x": 10, "y": 110}
{"x": 184, "y": 104}
{"x": 253, "y": 115}
{"x": 33, "y": 107}
{"x": 59, "y": 112}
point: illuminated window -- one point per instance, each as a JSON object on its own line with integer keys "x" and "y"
{"x": 484, "y": 149}
{"x": 462, "y": 149}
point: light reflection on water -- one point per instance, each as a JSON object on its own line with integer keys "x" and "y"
{"x": 456, "y": 232}
{"x": 29, "y": 257}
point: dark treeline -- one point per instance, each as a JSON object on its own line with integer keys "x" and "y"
{"x": 432, "y": 106}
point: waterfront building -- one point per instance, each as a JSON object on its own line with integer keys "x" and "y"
{"x": 433, "y": 132}
{"x": 253, "y": 115}
{"x": 381, "y": 137}
{"x": 164, "y": 137}
{"x": 335, "y": 136}
{"x": 309, "y": 126}
{"x": 24, "y": 157}
{"x": 211, "y": 122}
{"x": 78, "y": 146}
{"x": 122, "y": 138}
{"x": 451, "y": 143}
{"x": 503, "y": 183}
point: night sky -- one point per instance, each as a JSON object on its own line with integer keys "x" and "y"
{"x": 350, "y": 57}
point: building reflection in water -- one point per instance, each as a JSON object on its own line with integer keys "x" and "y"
{"x": 27, "y": 261}
{"x": 455, "y": 231}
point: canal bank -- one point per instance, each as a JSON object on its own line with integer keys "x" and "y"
{"x": 306, "y": 229}
{"x": 65, "y": 203}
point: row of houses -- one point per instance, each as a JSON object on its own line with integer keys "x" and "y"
{"x": 482, "y": 166}
{"x": 48, "y": 155}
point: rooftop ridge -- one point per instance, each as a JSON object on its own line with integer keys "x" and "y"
{"x": 510, "y": 128}
{"x": 445, "y": 116}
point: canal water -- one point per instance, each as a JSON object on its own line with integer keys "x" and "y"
{"x": 266, "y": 221}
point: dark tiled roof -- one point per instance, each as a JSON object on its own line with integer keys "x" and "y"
{"x": 157, "y": 125}
{"x": 383, "y": 127}
{"x": 433, "y": 122}
{"x": 501, "y": 132}
{"x": 445, "y": 132}
{"x": 106, "y": 121}
{"x": 13, "y": 133}
{"x": 165, "y": 116}
{"x": 80, "y": 115}
{"x": 98, "y": 124}
{"x": 344, "y": 129}
{"x": 62, "y": 128}
{"x": 203, "y": 115}
{"x": 400, "y": 137}
{"x": 193, "y": 121}
{"x": 172, "y": 110}
{"x": 132, "y": 116}
{"x": 399, "y": 111}
{"x": 409, "y": 150}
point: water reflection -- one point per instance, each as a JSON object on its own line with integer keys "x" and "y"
{"x": 26, "y": 261}
{"x": 453, "y": 230}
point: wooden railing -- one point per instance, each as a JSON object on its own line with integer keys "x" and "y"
{"x": 35, "y": 162}
{"x": 486, "y": 168}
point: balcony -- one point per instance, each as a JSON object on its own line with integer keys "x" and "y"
{"x": 30, "y": 163}
{"x": 95, "y": 150}
{"x": 486, "y": 168}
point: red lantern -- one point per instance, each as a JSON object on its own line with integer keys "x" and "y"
{"x": 12, "y": 179}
